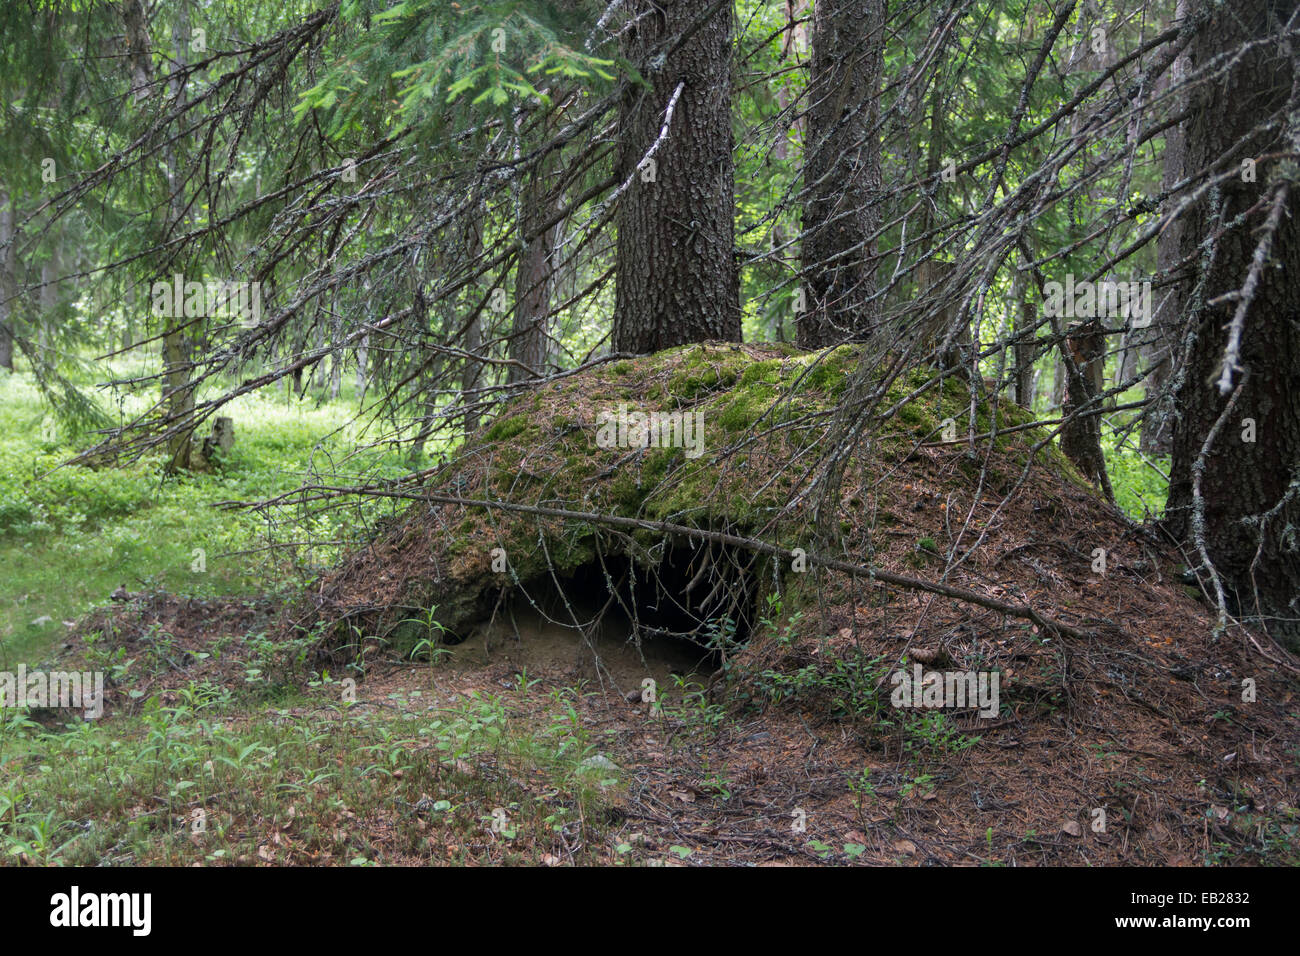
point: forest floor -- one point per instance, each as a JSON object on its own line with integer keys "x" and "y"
{"x": 239, "y": 728}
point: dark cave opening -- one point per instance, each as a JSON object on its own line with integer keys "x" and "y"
{"x": 704, "y": 594}
{"x": 678, "y": 615}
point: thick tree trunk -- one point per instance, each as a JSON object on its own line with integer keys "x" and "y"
{"x": 842, "y": 171}
{"x": 677, "y": 280}
{"x": 137, "y": 47}
{"x": 1248, "y": 508}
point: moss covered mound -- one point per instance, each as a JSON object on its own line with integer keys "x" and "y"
{"x": 757, "y": 420}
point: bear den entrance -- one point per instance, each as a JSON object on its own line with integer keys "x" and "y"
{"x": 617, "y": 621}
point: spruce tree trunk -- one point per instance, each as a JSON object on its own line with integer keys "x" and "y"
{"x": 1251, "y": 504}
{"x": 472, "y": 370}
{"x": 177, "y": 343}
{"x": 362, "y": 351}
{"x": 178, "y": 340}
{"x": 677, "y": 280}
{"x": 842, "y": 171}
{"x": 336, "y": 358}
{"x": 1025, "y": 354}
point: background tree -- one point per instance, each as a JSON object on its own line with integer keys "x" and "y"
{"x": 1234, "y": 490}
{"x": 677, "y": 279}
{"x": 842, "y": 207}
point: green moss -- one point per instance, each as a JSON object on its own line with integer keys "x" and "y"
{"x": 744, "y": 407}
{"x": 829, "y": 370}
{"x": 506, "y": 428}
{"x": 627, "y": 490}
{"x": 911, "y": 414}
{"x": 769, "y": 371}
{"x": 735, "y": 391}
{"x": 658, "y": 462}
{"x": 706, "y": 369}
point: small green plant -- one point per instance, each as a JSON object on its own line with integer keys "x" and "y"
{"x": 692, "y": 707}
{"x": 862, "y": 788}
{"x": 721, "y": 639}
{"x": 523, "y": 683}
{"x": 847, "y": 681}
{"x": 431, "y": 642}
{"x": 933, "y": 732}
{"x": 922, "y": 784}
{"x": 823, "y": 850}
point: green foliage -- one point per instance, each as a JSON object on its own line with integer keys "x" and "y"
{"x": 932, "y": 732}
{"x": 143, "y": 781}
{"x": 70, "y": 535}
{"x": 427, "y": 54}
{"x": 844, "y": 683}
{"x": 1139, "y": 482}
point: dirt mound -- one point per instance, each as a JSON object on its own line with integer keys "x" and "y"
{"x": 1126, "y": 729}
{"x": 543, "y": 459}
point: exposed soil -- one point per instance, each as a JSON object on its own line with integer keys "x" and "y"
{"x": 604, "y": 650}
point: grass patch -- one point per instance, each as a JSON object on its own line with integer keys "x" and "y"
{"x": 69, "y": 536}
{"x": 318, "y": 781}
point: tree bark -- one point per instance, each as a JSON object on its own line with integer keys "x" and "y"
{"x": 362, "y": 351}
{"x": 677, "y": 280}
{"x": 7, "y": 300}
{"x": 533, "y": 278}
{"x": 842, "y": 172}
{"x": 1025, "y": 353}
{"x": 1247, "y": 511}
{"x": 472, "y": 370}
{"x": 48, "y": 300}
{"x": 1081, "y": 437}
{"x": 336, "y": 358}
{"x": 177, "y": 344}
{"x": 1158, "y": 342}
